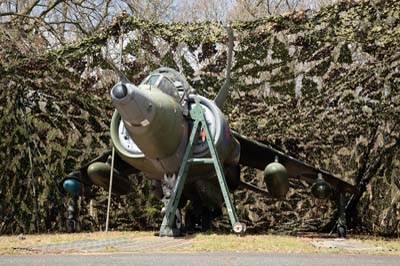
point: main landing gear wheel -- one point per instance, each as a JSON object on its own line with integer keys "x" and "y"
{"x": 341, "y": 231}
{"x": 71, "y": 226}
{"x": 190, "y": 222}
{"x": 239, "y": 228}
{"x": 206, "y": 220}
{"x": 176, "y": 229}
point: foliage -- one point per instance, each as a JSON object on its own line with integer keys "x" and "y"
{"x": 322, "y": 86}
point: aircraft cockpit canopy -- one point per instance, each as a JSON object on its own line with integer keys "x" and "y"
{"x": 168, "y": 81}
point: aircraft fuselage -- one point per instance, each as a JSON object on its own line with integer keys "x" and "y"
{"x": 151, "y": 125}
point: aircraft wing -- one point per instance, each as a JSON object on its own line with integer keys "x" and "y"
{"x": 121, "y": 184}
{"x": 258, "y": 155}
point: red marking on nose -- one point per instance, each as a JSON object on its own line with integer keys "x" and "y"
{"x": 226, "y": 133}
{"x": 203, "y": 134}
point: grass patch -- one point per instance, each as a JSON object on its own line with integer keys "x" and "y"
{"x": 207, "y": 242}
{"x": 250, "y": 243}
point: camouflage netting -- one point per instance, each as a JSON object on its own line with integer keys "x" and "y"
{"x": 322, "y": 86}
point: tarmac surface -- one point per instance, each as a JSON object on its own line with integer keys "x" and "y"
{"x": 124, "y": 244}
{"x": 163, "y": 244}
{"x": 197, "y": 259}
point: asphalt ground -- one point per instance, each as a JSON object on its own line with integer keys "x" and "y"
{"x": 197, "y": 259}
{"x": 152, "y": 244}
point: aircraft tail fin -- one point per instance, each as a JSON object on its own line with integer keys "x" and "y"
{"x": 223, "y": 92}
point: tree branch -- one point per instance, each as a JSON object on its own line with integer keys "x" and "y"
{"x": 29, "y": 9}
{"x": 51, "y": 7}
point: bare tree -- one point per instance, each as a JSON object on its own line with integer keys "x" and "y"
{"x": 61, "y": 21}
{"x": 162, "y": 10}
{"x": 205, "y": 10}
{"x": 251, "y": 9}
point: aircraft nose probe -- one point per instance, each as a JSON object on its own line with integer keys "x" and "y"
{"x": 120, "y": 91}
{"x": 153, "y": 119}
{"x": 132, "y": 103}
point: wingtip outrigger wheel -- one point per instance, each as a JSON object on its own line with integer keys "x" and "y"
{"x": 72, "y": 213}
{"x": 341, "y": 223}
{"x": 239, "y": 228}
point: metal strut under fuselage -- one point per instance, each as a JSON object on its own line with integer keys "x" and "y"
{"x": 197, "y": 115}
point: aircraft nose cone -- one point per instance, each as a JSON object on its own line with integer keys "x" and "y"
{"x": 120, "y": 91}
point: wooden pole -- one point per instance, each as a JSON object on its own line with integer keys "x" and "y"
{"x": 110, "y": 188}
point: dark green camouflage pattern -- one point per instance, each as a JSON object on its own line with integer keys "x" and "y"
{"x": 322, "y": 86}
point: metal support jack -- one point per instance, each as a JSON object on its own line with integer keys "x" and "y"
{"x": 198, "y": 116}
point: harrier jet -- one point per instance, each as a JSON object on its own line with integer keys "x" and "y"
{"x": 150, "y": 132}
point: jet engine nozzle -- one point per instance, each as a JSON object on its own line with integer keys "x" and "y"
{"x": 277, "y": 180}
{"x": 321, "y": 189}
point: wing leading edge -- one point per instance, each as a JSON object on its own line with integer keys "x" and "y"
{"x": 259, "y": 155}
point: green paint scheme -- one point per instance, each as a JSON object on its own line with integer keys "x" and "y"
{"x": 159, "y": 138}
{"x": 277, "y": 180}
{"x": 99, "y": 174}
{"x": 203, "y": 186}
{"x": 321, "y": 189}
{"x": 322, "y": 56}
